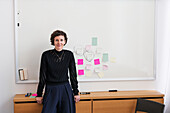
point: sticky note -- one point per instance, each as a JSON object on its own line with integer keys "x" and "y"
{"x": 88, "y": 73}
{"x": 79, "y": 51}
{"x": 88, "y": 47}
{"x": 113, "y": 60}
{"x": 88, "y": 66}
{"x": 98, "y": 50}
{"x": 34, "y": 94}
{"x": 105, "y": 57}
{"x": 97, "y": 69}
{"x": 81, "y": 72}
{"x": 96, "y": 61}
{"x": 80, "y": 61}
{"x": 100, "y": 74}
{"x": 105, "y": 67}
{"x": 88, "y": 56}
{"x": 94, "y": 41}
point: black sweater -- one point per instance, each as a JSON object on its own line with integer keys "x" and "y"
{"x": 54, "y": 70}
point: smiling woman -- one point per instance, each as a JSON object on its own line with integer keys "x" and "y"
{"x": 54, "y": 67}
{"x": 59, "y": 42}
{"x": 124, "y": 29}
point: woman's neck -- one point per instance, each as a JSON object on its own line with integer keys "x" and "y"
{"x": 58, "y": 50}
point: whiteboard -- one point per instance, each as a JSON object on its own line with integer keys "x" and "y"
{"x": 124, "y": 30}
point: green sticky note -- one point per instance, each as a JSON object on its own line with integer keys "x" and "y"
{"x": 94, "y": 41}
{"x": 105, "y": 57}
{"x": 32, "y": 96}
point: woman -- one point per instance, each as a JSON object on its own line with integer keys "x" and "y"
{"x": 55, "y": 63}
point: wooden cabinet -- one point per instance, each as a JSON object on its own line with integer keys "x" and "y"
{"x": 95, "y": 102}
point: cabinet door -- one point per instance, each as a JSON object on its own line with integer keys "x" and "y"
{"x": 114, "y": 106}
{"x": 27, "y": 108}
{"x": 117, "y": 106}
{"x": 83, "y": 107}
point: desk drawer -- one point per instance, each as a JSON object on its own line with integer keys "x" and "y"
{"x": 27, "y": 108}
{"x": 114, "y": 106}
{"x": 23, "y": 107}
{"x": 83, "y": 107}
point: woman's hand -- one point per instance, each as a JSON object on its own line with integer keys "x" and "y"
{"x": 39, "y": 100}
{"x": 77, "y": 98}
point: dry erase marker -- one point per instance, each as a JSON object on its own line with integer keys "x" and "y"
{"x": 112, "y": 90}
{"x": 84, "y": 93}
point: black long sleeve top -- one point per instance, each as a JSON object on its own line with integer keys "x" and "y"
{"x": 54, "y": 69}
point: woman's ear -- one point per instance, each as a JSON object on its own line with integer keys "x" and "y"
{"x": 64, "y": 42}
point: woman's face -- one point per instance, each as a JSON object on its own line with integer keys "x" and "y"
{"x": 59, "y": 42}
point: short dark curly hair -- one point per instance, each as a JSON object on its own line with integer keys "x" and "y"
{"x": 58, "y": 33}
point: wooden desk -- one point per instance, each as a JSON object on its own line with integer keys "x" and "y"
{"x": 95, "y": 102}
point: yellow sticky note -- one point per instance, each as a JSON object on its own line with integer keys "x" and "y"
{"x": 100, "y": 74}
{"x": 97, "y": 70}
{"x": 88, "y": 73}
{"x": 113, "y": 60}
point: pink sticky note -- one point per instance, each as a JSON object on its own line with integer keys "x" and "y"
{"x": 80, "y": 62}
{"x": 88, "y": 66}
{"x": 81, "y": 72}
{"x": 96, "y": 61}
{"x": 105, "y": 67}
{"x": 34, "y": 94}
{"x": 88, "y": 47}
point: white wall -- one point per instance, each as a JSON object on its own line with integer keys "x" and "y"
{"x": 163, "y": 51}
{"x": 6, "y": 56}
{"x": 163, "y": 42}
{"x": 8, "y": 88}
